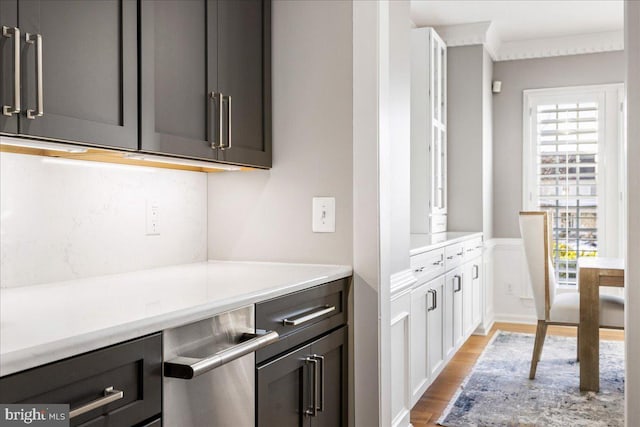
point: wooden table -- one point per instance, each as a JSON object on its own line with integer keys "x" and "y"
{"x": 593, "y": 273}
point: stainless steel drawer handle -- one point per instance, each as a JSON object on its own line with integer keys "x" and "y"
{"x": 476, "y": 271}
{"x": 450, "y": 257}
{"x": 313, "y": 411}
{"x": 308, "y": 317}
{"x": 189, "y": 367}
{"x": 216, "y": 128}
{"x": 460, "y": 253}
{"x": 9, "y": 110}
{"x": 110, "y": 395}
{"x": 458, "y": 280}
{"x": 228, "y": 144}
{"x": 419, "y": 270}
{"x": 434, "y": 303}
{"x": 39, "y": 111}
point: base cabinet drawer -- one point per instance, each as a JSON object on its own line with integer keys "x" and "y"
{"x": 301, "y": 316}
{"x": 133, "y": 368}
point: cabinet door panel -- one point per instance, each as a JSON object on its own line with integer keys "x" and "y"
{"x": 476, "y": 271}
{"x": 89, "y": 70}
{"x": 282, "y": 391}
{"x": 8, "y": 18}
{"x": 244, "y": 73}
{"x": 435, "y": 324}
{"x": 178, "y": 64}
{"x": 467, "y": 299}
{"x": 421, "y": 301}
{"x": 334, "y": 371}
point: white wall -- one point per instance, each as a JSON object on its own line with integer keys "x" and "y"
{"x": 632, "y": 273}
{"x": 517, "y": 76}
{"x": 487, "y": 145}
{"x": 67, "y": 219}
{"x": 266, "y": 215}
{"x": 465, "y": 138}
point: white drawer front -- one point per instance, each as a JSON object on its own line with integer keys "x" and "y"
{"x": 428, "y": 265}
{"x": 473, "y": 248}
{"x": 453, "y": 255}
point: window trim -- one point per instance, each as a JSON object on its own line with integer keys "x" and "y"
{"x": 610, "y": 203}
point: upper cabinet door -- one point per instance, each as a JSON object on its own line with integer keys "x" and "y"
{"x": 178, "y": 73}
{"x": 79, "y": 71}
{"x": 244, "y": 80}
{"x": 9, "y": 79}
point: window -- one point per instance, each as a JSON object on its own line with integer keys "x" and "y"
{"x": 571, "y": 170}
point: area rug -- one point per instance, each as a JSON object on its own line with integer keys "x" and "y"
{"x": 498, "y": 391}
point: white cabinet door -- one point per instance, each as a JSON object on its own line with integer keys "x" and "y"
{"x": 453, "y": 332}
{"x": 435, "y": 327}
{"x": 467, "y": 299}
{"x": 478, "y": 294}
{"x": 421, "y": 301}
{"x": 400, "y": 339}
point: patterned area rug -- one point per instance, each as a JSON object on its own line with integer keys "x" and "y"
{"x": 498, "y": 391}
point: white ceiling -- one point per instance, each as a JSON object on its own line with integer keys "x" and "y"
{"x": 516, "y": 20}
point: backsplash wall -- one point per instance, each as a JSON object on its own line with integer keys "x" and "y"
{"x": 67, "y": 219}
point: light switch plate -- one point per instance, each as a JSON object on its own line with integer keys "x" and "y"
{"x": 324, "y": 215}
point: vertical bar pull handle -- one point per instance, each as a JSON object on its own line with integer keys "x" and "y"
{"x": 320, "y": 406}
{"x": 313, "y": 411}
{"x": 215, "y": 100}
{"x": 9, "y": 110}
{"x": 227, "y": 145}
{"x": 39, "y": 111}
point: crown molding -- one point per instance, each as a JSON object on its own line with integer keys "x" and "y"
{"x": 483, "y": 33}
{"x": 561, "y": 46}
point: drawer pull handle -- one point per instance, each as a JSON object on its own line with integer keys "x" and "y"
{"x": 110, "y": 395}
{"x": 471, "y": 249}
{"x": 419, "y": 270}
{"x": 308, "y": 317}
{"x": 438, "y": 262}
{"x": 460, "y": 253}
{"x": 450, "y": 257}
{"x": 9, "y": 110}
{"x": 187, "y": 368}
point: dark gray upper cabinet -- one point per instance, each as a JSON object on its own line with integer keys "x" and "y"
{"x": 86, "y": 84}
{"x": 205, "y": 65}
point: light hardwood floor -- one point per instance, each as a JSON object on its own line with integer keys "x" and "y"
{"x": 435, "y": 399}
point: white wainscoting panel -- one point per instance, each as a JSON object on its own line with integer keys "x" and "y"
{"x": 400, "y": 359}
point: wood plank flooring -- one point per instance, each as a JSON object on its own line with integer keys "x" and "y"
{"x": 435, "y": 399}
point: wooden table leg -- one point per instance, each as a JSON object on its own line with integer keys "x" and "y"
{"x": 589, "y": 330}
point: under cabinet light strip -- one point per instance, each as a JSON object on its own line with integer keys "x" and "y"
{"x": 179, "y": 161}
{"x": 42, "y": 145}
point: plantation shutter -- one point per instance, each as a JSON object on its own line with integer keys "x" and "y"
{"x": 567, "y": 180}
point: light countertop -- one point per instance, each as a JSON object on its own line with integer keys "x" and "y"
{"x": 425, "y": 242}
{"x": 43, "y": 323}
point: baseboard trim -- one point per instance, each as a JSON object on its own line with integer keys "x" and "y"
{"x": 515, "y": 318}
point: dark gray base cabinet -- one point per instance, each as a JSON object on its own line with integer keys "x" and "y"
{"x": 133, "y": 367}
{"x": 88, "y": 74}
{"x": 206, "y": 80}
{"x": 285, "y": 385}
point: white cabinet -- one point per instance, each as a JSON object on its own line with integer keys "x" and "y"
{"x": 428, "y": 132}
{"x": 400, "y": 359}
{"x": 426, "y": 335}
{"x": 446, "y": 308}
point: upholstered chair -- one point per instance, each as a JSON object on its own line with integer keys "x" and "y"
{"x": 553, "y": 308}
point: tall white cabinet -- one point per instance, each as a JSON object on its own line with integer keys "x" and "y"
{"x": 428, "y": 132}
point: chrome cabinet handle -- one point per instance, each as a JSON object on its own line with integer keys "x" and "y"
{"x": 320, "y": 407}
{"x": 476, "y": 271}
{"x": 460, "y": 253}
{"x": 227, "y": 146}
{"x": 432, "y": 292}
{"x": 14, "y": 32}
{"x": 450, "y": 257}
{"x": 39, "y": 111}
{"x": 314, "y": 387}
{"x": 419, "y": 269}
{"x": 187, "y": 368}
{"x": 458, "y": 279}
{"x": 216, "y": 142}
{"x": 110, "y": 395}
{"x": 306, "y": 318}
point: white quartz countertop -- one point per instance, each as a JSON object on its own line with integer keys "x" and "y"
{"x": 43, "y": 323}
{"x": 425, "y": 242}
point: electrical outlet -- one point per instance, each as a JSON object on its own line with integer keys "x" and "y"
{"x": 153, "y": 218}
{"x": 509, "y": 288}
{"x": 324, "y": 215}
